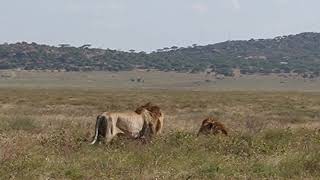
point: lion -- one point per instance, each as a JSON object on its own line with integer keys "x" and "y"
{"x": 132, "y": 124}
{"x": 212, "y": 126}
{"x": 157, "y": 115}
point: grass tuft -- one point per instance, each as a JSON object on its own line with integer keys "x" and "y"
{"x": 22, "y": 123}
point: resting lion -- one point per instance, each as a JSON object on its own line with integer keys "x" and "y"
{"x": 158, "y": 116}
{"x": 211, "y": 126}
{"x": 132, "y": 124}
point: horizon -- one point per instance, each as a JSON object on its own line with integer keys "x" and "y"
{"x": 147, "y": 26}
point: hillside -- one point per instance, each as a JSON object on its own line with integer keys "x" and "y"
{"x": 286, "y": 54}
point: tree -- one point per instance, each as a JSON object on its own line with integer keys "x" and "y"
{"x": 132, "y": 51}
{"x": 85, "y": 46}
{"x": 174, "y": 47}
{"x": 64, "y": 45}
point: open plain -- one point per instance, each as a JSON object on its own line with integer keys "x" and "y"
{"x": 47, "y": 122}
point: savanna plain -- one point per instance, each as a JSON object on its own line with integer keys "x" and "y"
{"x": 45, "y": 133}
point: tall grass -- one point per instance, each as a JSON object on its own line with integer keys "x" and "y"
{"x": 22, "y": 123}
{"x": 45, "y": 134}
{"x": 176, "y": 155}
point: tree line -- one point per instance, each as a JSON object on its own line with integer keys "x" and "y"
{"x": 284, "y": 54}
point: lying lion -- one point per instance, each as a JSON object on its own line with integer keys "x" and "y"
{"x": 211, "y": 126}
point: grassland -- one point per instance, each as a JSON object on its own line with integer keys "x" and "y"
{"x": 44, "y": 134}
{"x": 155, "y": 80}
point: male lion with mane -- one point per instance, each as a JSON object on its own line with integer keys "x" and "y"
{"x": 157, "y": 116}
{"x": 212, "y": 126}
{"x": 132, "y": 124}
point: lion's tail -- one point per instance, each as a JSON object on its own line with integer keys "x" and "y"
{"x": 100, "y": 128}
{"x": 96, "y": 134}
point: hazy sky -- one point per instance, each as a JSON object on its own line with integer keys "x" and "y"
{"x": 150, "y": 24}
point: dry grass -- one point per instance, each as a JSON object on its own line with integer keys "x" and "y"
{"x": 156, "y": 80}
{"x": 44, "y": 134}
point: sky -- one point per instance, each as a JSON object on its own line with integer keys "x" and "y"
{"x": 146, "y": 25}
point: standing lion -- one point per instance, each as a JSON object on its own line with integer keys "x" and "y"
{"x": 212, "y": 126}
{"x": 131, "y": 124}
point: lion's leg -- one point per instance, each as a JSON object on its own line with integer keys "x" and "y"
{"x": 100, "y": 129}
{"x": 110, "y": 133}
{"x": 159, "y": 125}
{"x": 223, "y": 130}
{"x": 200, "y": 131}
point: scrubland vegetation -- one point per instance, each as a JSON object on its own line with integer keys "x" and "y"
{"x": 298, "y": 54}
{"x": 45, "y": 133}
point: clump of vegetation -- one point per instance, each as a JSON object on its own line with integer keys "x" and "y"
{"x": 22, "y": 123}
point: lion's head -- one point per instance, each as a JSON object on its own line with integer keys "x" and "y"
{"x": 212, "y": 126}
{"x": 155, "y": 110}
{"x": 156, "y": 114}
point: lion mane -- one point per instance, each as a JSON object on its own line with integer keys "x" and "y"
{"x": 212, "y": 126}
{"x": 156, "y": 114}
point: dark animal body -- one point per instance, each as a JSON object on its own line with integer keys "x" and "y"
{"x": 212, "y": 126}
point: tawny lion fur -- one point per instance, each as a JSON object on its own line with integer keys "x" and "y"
{"x": 212, "y": 126}
{"x": 158, "y": 116}
{"x": 132, "y": 124}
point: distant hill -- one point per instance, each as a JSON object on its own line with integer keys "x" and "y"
{"x": 285, "y": 54}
